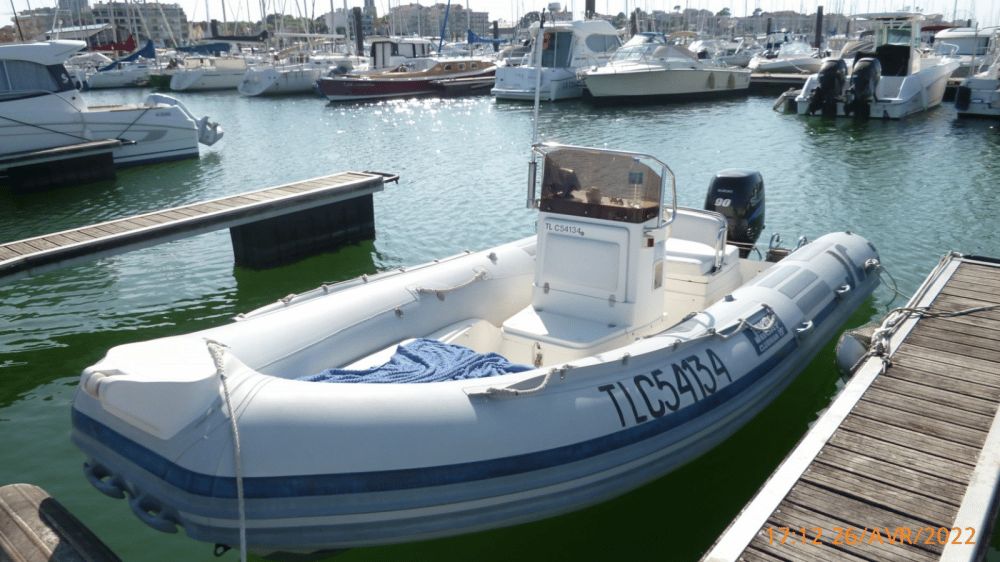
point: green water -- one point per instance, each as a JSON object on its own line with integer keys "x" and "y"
{"x": 916, "y": 188}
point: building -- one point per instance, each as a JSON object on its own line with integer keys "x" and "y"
{"x": 165, "y": 24}
{"x": 338, "y": 20}
{"x": 416, "y": 19}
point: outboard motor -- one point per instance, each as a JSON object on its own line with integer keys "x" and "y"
{"x": 738, "y": 195}
{"x": 864, "y": 83}
{"x": 832, "y": 78}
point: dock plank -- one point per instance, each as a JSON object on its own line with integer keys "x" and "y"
{"x": 912, "y": 405}
{"x": 946, "y": 399}
{"x": 933, "y": 445}
{"x": 966, "y": 347}
{"x": 930, "y": 511}
{"x": 875, "y": 468}
{"x": 901, "y": 454}
{"x": 917, "y": 423}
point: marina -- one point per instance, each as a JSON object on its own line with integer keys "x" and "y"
{"x": 452, "y": 217}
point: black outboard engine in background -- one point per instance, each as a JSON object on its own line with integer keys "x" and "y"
{"x": 832, "y": 78}
{"x": 738, "y": 195}
{"x": 864, "y": 83}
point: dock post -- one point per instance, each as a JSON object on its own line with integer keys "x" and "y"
{"x": 288, "y": 238}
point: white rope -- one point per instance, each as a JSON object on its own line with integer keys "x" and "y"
{"x": 507, "y": 391}
{"x": 440, "y": 292}
{"x": 216, "y": 349}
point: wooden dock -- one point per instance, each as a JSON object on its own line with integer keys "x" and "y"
{"x": 269, "y": 226}
{"x": 905, "y": 464}
{"x": 34, "y": 527}
{"x": 766, "y": 82}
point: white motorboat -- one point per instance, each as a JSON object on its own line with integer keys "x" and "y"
{"x": 791, "y": 56}
{"x": 295, "y": 72}
{"x": 487, "y": 389}
{"x": 890, "y": 83}
{"x": 969, "y": 45}
{"x": 40, "y": 108}
{"x": 566, "y": 48}
{"x": 738, "y": 52}
{"x": 649, "y": 68}
{"x": 210, "y": 73}
{"x": 979, "y": 95}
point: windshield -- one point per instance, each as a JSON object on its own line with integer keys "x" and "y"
{"x": 640, "y": 46}
{"x": 600, "y": 185}
{"x": 962, "y": 45}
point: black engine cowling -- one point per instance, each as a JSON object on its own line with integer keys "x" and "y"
{"x": 864, "y": 83}
{"x": 832, "y": 78}
{"x": 739, "y": 196}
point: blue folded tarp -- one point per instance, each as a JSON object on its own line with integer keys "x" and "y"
{"x": 147, "y": 52}
{"x": 426, "y": 360}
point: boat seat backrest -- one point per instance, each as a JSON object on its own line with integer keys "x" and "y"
{"x": 695, "y": 243}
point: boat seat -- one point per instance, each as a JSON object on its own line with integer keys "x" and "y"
{"x": 470, "y": 332}
{"x": 695, "y": 259}
{"x": 558, "y": 337}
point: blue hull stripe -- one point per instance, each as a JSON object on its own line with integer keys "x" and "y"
{"x": 406, "y": 479}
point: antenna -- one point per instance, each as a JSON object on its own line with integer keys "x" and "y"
{"x": 533, "y": 165}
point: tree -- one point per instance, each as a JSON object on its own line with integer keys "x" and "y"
{"x": 723, "y": 13}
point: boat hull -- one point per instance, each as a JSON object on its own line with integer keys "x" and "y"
{"x": 154, "y": 132}
{"x": 666, "y": 85}
{"x": 276, "y": 81}
{"x": 224, "y": 78}
{"x": 399, "y": 463}
{"x": 978, "y": 97}
{"x": 517, "y": 83}
{"x": 361, "y": 87}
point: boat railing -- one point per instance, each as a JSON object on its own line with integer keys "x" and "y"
{"x": 945, "y": 49}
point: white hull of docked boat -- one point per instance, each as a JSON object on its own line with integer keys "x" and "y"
{"x": 517, "y": 83}
{"x": 50, "y": 113}
{"x": 624, "y": 340}
{"x": 274, "y": 80}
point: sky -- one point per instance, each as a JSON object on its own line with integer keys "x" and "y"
{"x": 986, "y": 12}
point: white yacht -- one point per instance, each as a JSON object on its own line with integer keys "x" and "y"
{"x": 210, "y": 73}
{"x": 40, "y": 108}
{"x": 649, "y": 68}
{"x": 890, "y": 83}
{"x": 566, "y": 47}
{"x": 967, "y": 44}
{"x": 295, "y": 70}
{"x": 979, "y": 95}
{"x": 791, "y": 56}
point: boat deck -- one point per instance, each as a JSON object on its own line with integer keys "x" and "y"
{"x": 904, "y": 465}
{"x": 36, "y": 255}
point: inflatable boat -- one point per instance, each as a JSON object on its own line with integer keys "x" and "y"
{"x": 486, "y": 389}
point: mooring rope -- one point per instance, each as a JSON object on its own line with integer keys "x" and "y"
{"x": 507, "y": 391}
{"x": 217, "y": 349}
